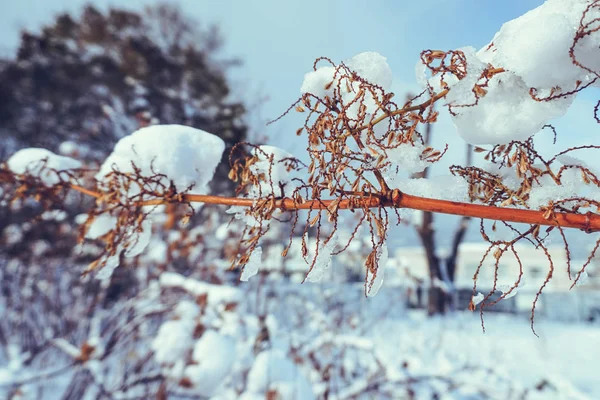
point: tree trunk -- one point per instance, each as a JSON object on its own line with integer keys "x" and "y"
{"x": 436, "y": 301}
{"x": 439, "y": 300}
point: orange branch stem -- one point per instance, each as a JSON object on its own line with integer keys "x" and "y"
{"x": 589, "y": 222}
{"x": 85, "y": 191}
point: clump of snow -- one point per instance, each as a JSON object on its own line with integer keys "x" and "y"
{"x": 373, "y": 67}
{"x": 42, "y": 164}
{"x": 322, "y": 259}
{"x": 13, "y": 234}
{"x": 374, "y": 283}
{"x": 54, "y": 215}
{"x": 253, "y": 264}
{"x": 327, "y": 81}
{"x": 461, "y": 89}
{"x": 157, "y": 252}
{"x": 507, "y": 290}
{"x": 174, "y": 338}
{"x": 68, "y": 148}
{"x": 222, "y": 232}
{"x": 452, "y": 188}
{"x": 507, "y": 112}
{"x": 319, "y": 82}
{"x": 545, "y": 35}
{"x": 180, "y": 155}
{"x": 478, "y": 298}
{"x": 272, "y": 370}
{"x": 101, "y": 225}
{"x": 583, "y": 279}
{"x": 274, "y": 164}
{"x": 185, "y": 155}
{"x": 216, "y": 293}
{"x": 545, "y": 189}
{"x": 406, "y": 157}
{"x": 172, "y": 341}
{"x": 110, "y": 263}
{"x": 13, "y": 365}
{"x": 214, "y": 355}
{"x": 523, "y": 48}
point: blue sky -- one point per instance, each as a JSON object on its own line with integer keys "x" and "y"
{"x": 279, "y": 40}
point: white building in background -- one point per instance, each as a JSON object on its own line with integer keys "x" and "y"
{"x": 582, "y": 303}
{"x": 534, "y": 264}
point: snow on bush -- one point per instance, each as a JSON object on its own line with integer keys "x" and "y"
{"x": 327, "y": 80}
{"x": 214, "y": 355}
{"x": 252, "y": 266}
{"x": 519, "y": 98}
{"x": 507, "y": 112}
{"x": 42, "y": 164}
{"x": 101, "y": 225}
{"x": 172, "y": 341}
{"x": 277, "y": 174}
{"x": 272, "y": 370}
{"x": 545, "y": 35}
{"x": 572, "y": 185}
{"x": 524, "y": 48}
{"x": 374, "y": 281}
{"x": 158, "y": 158}
{"x": 216, "y": 294}
{"x": 274, "y": 172}
{"x": 319, "y": 258}
{"x": 185, "y": 156}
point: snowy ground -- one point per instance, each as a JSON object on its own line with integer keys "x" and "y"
{"x": 565, "y": 356}
{"x": 315, "y": 341}
{"x": 451, "y": 355}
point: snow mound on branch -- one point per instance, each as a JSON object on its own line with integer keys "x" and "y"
{"x": 42, "y": 164}
{"x": 572, "y": 185}
{"x": 321, "y": 259}
{"x": 101, "y": 225}
{"x": 525, "y": 48}
{"x": 252, "y": 266}
{"x": 274, "y": 164}
{"x": 370, "y": 66}
{"x": 316, "y": 82}
{"x": 452, "y": 188}
{"x": 382, "y": 261}
{"x": 507, "y": 112}
{"x": 373, "y": 67}
{"x": 478, "y": 298}
{"x": 278, "y": 176}
{"x": 406, "y": 158}
{"x": 184, "y": 155}
{"x": 545, "y": 35}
